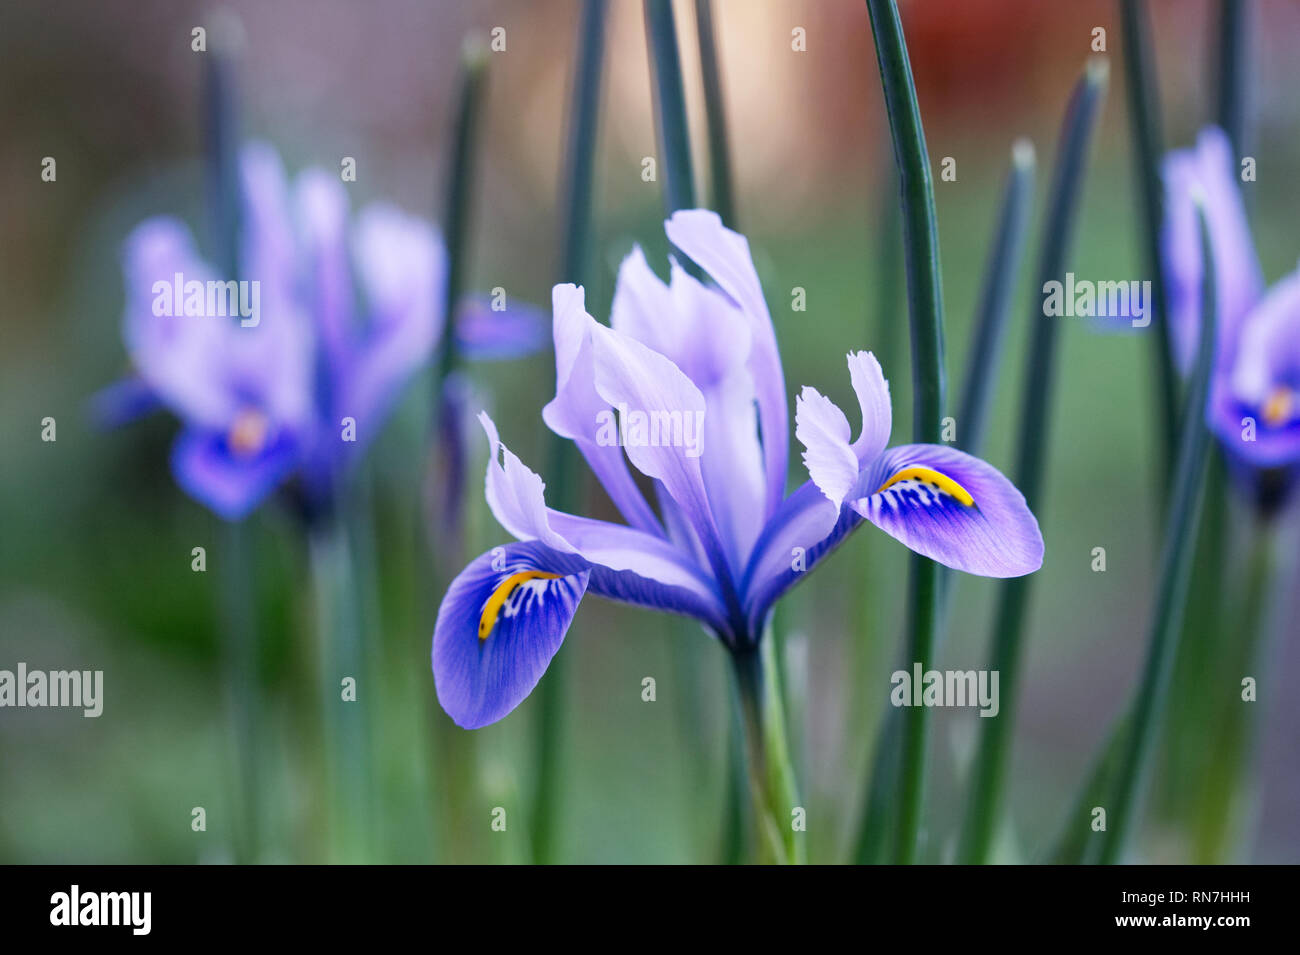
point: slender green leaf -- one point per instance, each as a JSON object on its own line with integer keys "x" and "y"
{"x": 576, "y": 243}
{"x": 1144, "y": 123}
{"x": 670, "y": 107}
{"x": 724, "y": 202}
{"x": 1036, "y": 404}
{"x": 1171, "y": 593}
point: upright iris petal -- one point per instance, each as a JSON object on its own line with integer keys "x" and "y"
{"x": 1209, "y": 172}
{"x": 1255, "y": 387}
{"x": 726, "y": 542}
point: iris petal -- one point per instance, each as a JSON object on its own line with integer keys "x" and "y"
{"x": 173, "y": 353}
{"x": 1210, "y": 169}
{"x": 725, "y": 256}
{"x": 953, "y": 508}
{"x": 502, "y": 620}
{"x": 484, "y": 334}
{"x": 230, "y": 484}
{"x": 577, "y": 409}
{"x": 515, "y": 495}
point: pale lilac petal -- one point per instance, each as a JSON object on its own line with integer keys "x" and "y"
{"x": 823, "y": 430}
{"x": 724, "y": 255}
{"x": 872, "y": 389}
{"x": 402, "y": 269}
{"x": 175, "y": 354}
{"x": 662, "y": 407}
{"x": 579, "y": 413}
{"x": 706, "y": 335}
{"x": 269, "y": 243}
{"x": 698, "y": 328}
{"x": 1209, "y": 171}
{"x": 516, "y": 497}
{"x": 321, "y": 200}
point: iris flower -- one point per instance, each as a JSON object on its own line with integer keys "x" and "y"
{"x": 348, "y": 312}
{"x": 693, "y": 371}
{"x": 1254, "y": 401}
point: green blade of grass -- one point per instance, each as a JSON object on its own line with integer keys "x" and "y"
{"x": 576, "y": 243}
{"x": 874, "y": 843}
{"x": 670, "y": 106}
{"x": 1232, "y": 39}
{"x": 995, "y": 299}
{"x": 1036, "y": 404}
{"x": 925, "y": 308}
{"x": 459, "y": 190}
{"x": 1171, "y": 593}
{"x": 1144, "y": 125}
{"x": 724, "y": 202}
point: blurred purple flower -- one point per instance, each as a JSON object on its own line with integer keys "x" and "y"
{"x": 347, "y": 312}
{"x": 1254, "y": 402}
{"x": 730, "y": 542}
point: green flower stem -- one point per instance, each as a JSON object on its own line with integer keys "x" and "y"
{"x": 670, "y": 106}
{"x": 221, "y": 133}
{"x": 243, "y": 691}
{"x": 348, "y": 760}
{"x": 1231, "y": 61}
{"x": 1185, "y": 760}
{"x": 224, "y": 204}
{"x": 459, "y": 190}
{"x": 995, "y": 301}
{"x": 1144, "y": 122}
{"x": 1230, "y": 740}
{"x": 1036, "y": 404}
{"x": 576, "y": 242}
{"x": 889, "y": 260}
{"x": 1004, "y": 263}
{"x": 580, "y": 155}
{"x": 724, "y": 202}
{"x": 770, "y": 773}
{"x": 1171, "y": 593}
{"x": 925, "y": 305}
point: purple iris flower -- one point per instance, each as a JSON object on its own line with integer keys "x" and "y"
{"x": 1254, "y": 401}
{"x": 297, "y": 369}
{"x": 686, "y": 386}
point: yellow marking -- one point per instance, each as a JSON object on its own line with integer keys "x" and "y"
{"x": 1279, "y": 405}
{"x": 247, "y": 436}
{"x": 931, "y": 476}
{"x": 488, "y": 619}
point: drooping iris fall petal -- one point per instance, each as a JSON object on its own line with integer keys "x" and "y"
{"x": 501, "y": 622}
{"x": 953, "y": 508}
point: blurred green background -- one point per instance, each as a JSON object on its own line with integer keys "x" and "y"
{"x": 95, "y": 537}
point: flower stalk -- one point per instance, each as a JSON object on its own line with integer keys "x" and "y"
{"x": 224, "y": 203}
{"x": 670, "y": 106}
{"x": 925, "y": 307}
{"x": 769, "y": 770}
{"x": 576, "y": 239}
{"x": 1144, "y": 123}
{"x": 724, "y": 202}
{"x": 344, "y": 715}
